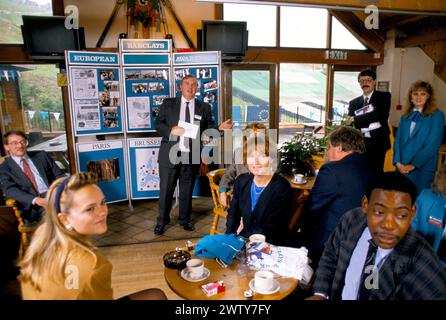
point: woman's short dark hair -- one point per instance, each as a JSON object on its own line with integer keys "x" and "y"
{"x": 350, "y": 139}
{"x": 392, "y": 181}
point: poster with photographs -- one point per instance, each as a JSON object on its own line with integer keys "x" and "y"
{"x": 208, "y": 85}
{"x": 144, "y": 170}
{"x": 96, "y": 101}
{"x": 106, "y": 160}
{"x": 145, "y": 90}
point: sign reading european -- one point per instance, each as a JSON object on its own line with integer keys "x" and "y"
{"x": 136, "y": 45}
{"x": 194, "y": 58}
{"x": 93, "y": 58}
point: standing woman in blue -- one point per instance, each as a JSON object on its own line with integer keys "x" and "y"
{"x": 419, "y": 136}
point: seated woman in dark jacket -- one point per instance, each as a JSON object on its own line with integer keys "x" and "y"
{"x": 261, "y": 198}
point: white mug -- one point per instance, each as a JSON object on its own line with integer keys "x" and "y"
{"x": 257, "y": 238}
{"x": 299, "y": 178}
{"x": 195, "y": 267}
{"x": 264, "y": 280}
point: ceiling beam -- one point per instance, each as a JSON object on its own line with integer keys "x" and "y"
{"x": 367, "y": 37}
{"x": 422, "y": 37}
{"x": 398, "y": 21}
{"x": 438, "y": 6}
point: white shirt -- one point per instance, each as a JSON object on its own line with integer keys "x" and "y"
{"x": 413, "y": 123}
{"x": 357, "y": 260}
{"x": 183, "y": 109}
{"x": 368, "y": 97}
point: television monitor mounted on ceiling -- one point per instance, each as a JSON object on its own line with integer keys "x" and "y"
{"x": 229, "y": 37}
{"x": 46, "y": 38}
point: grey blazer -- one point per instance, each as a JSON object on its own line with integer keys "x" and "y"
{"x": 411, "y": 272}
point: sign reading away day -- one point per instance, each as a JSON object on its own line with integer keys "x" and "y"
{"x": 106, "y": 160}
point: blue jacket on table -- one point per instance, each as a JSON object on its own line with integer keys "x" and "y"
{"x": 420, "y": 148}
{"x": 412, "y": 271}
{"x": 430, "y": 217}
{"x": 339, "y": 187}
{"x": 271, "y": 215}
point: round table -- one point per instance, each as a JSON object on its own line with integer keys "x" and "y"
{"x": 235, "y": 284}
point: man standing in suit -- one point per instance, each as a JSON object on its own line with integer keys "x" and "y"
{"x": 26, "y": 176}
{"x": 175, "y": 146}
{"x": 339, "y": 187}
{"x": 374, "y": 254}
{"x": 370, "y": 113}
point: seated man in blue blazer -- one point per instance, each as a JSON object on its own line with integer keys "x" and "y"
{"x": 374, "y": 254}
{"x": 26, "y": 176}
{"x": 339, "y": 187}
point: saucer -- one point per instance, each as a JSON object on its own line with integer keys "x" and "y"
{"x": 273, "y": 290}
{"x": 185, "y": 274}
{"x": 303, "y": 181}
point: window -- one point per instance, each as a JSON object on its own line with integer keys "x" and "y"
{"x": 303, "y": 27}
{"x": 302, "y": 97}
{"x": 11, "y": 12}
{"x": 261, "y": 21}
{"x": 342, "y": 38}
{"x": 31, "y": 101}
{"x": 346, "y": 88}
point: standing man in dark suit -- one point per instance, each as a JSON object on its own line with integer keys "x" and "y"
{"x": 374, "y": 254}
{"x": 179, "y": 157}
{"x": 26, "y": 176}
{"x": 339, "y": 187}
{"x": 372, "y": 120}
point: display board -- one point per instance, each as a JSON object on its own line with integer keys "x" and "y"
{"x": 106, "y": 160}
{"x": 143, "y": 163}
{"x": 95, "y": 93}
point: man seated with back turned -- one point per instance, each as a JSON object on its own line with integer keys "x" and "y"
{"x": 26, "y": 176}
{"x": 374, "y": 254}
{"x": 339, "y": 187}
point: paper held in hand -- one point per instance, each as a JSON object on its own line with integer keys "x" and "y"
{"x": 190, "y": 129}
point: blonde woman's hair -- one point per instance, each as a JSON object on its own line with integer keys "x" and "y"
{"x": 429, "y": 107}
{"x": 52, "y": 243}
{"x": 439, "y": 183}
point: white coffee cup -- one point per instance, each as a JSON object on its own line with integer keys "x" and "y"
{"x": 195, "y": 267}
{"x": 264, "y": 280}
{"x": 298, "y": 178}
{"x": 257, "y": 238}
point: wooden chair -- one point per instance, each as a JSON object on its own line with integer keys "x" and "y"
{"x": 26, "y": 229}
{"x": 219, "y": 211}
{"x": 299, "y": 208}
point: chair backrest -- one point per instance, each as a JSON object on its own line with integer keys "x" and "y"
{"x": 214, "y": 180}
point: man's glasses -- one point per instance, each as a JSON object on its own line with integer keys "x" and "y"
{"x": 365, "y": 80}
{"x": 17, "y": 143}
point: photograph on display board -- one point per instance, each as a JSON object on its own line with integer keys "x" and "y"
{"x": 107, "y": 74}
{"x": 132, "y": 74}
{"x": 111, "y": 86}
{"x": 111, "y": 117}
{"x": 158, "y": 100}
{"x": 181, "y": 73}
{"x": 147, "y": 173}
{"x": 105, "y": 170}
{"x": 87, "y": 115}
{"x": 114, "y": 99}
{"x": 209, "y": 97}
{"x": 156, "y": 87}
{"x": 155, "y": 74}
{"x": 85, "y": 83}
{"x": 139, "y": 87}
{"x": 138, "y": 112}
{"x": 204, "y": 73}
{"x": 210, "y": 85}
{"x": 104, "y": 99}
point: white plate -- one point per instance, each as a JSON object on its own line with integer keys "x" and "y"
{"x": 185, "y": 274}
{"x": 303, "y": 181}
{"x": 274, "y": 290}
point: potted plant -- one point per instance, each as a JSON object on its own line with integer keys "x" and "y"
{"x": 296, "y": 155}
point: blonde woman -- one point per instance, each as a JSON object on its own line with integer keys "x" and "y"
{"x": 61, "y": 261}
{"x": 419, "y": 136}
